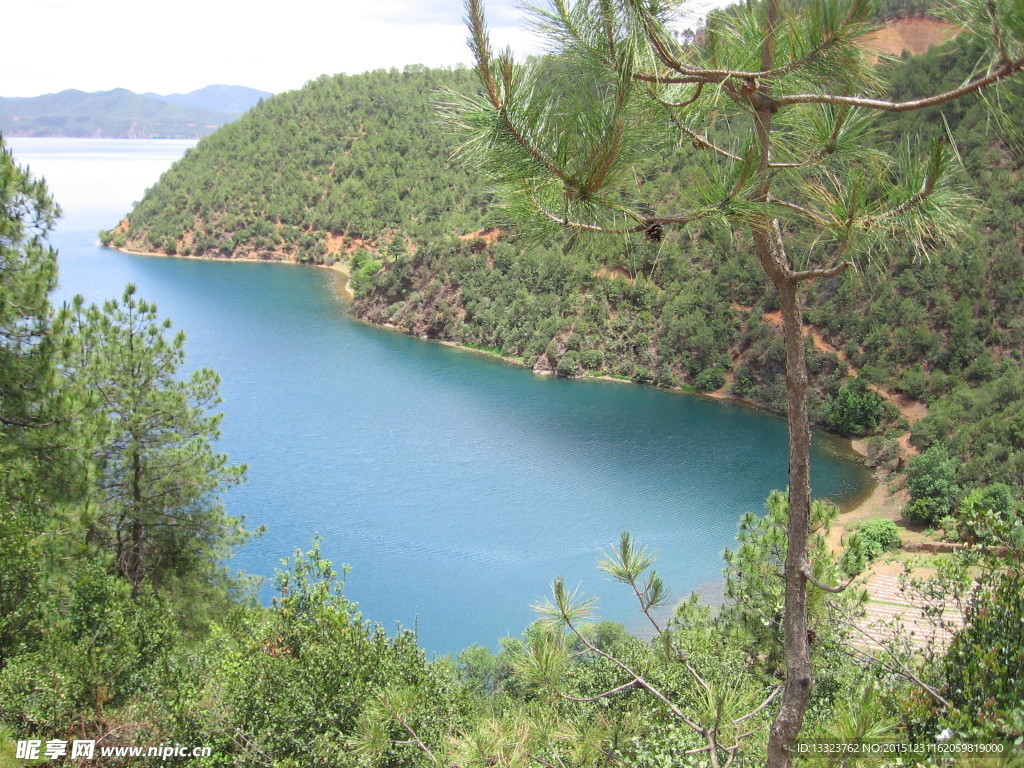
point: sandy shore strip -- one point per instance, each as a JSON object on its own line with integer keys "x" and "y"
{"x": 345, "y": 290}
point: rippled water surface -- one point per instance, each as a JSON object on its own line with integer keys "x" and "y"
{"x": 455, "y": 486}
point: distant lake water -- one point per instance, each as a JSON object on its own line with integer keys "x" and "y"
{"x": 456, "y": 487}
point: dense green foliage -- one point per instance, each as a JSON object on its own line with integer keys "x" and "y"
{"x": 108, "y": 114}
{"x": 855, "y": 409}
{"x": 881, "y": 535}
{"x": 309, "y": 174}
{"x": 931, "y": 480}
{"x": 158, "y": 476}
{"x": 310, "y": 677}
{"x": 985, "y": 662}
{"x": 28, "y": 272}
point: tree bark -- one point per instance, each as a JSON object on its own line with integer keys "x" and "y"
{"x": 771, "y": 252}
{"x": 796, "y": 645}
{"x": 136, "y": 574}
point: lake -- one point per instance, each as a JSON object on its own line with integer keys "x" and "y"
{"x": 455, "y": 486}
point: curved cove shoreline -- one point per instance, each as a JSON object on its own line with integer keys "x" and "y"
{"x": 345, "y": 293}
{"x": 878, "y": 499}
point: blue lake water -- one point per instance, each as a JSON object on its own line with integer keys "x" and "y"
{"x": 456, "y": 487}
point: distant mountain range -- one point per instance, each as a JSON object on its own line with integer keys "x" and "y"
{"x": 219, "y": 98}
{"x": 123, "y": 114}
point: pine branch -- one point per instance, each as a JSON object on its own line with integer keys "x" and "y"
{"x": 1002, "y": 72}
{"x": 637, "y": 679}
{"x": 605, "y": 695}
{"x": 825, "y": 587}
{"x": 680, "y": 104}
{"x": 480, "y": 45}
{"x": 897, "y": 667}
{"x": 565, "y": 222}
{"x": 771, "y": 697}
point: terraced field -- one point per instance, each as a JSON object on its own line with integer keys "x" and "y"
{"x": 905, "y": 614}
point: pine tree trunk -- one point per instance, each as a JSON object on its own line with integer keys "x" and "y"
{"x": 135, "y": 577}
{"x": 796, "y": 646}
{"x": 772, "y": 254}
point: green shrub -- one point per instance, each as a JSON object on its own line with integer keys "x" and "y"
{"x": 996, "y": 498}
{"x": 855, "y": 409}
{"x": 884, "y": 533}
{"x": 710, "y": 379}
{"x": 868, "y": 542}
{"x": 641, "y": 375}
{"x": 950, "y": 528}
{"x": 985, "y": 662}
{"x": 362, "y": 276}
{"x": 931, "y": 480}
{"x": 593, "y": 359}
{"x": 913, "y": 382}
{"x": 569, "y": 366}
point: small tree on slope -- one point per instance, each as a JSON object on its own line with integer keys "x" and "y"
{"x": 159, "y": 475}
{"x": 777, "y": 101}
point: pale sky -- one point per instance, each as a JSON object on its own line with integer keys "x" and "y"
{"x": 276, "y": 45}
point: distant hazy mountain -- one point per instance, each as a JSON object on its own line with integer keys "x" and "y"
{"x": 220, "y": 98}
{"x": 123, "y": 114}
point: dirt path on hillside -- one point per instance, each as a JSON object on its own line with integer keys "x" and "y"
{"x": 912, "y": 410}
{"x": 887, "y": 499}
{"x": 915, "y": 34}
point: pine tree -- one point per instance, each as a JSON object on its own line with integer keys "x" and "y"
{"x": 43, "y": 461}
{"x": 33, "y": 418}
{"x": 777, "y": 102}
{"x": 159, "y": 475}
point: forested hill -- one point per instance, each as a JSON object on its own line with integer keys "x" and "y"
{"x": 358, "y": 167}
{"x": 116, "y": 114}
{"x": 310, "y": 174}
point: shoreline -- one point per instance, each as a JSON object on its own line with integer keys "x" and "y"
{"x": 877, "y": 502}
{"x": 884, "y": 502}
{"x": 346, "y": 291}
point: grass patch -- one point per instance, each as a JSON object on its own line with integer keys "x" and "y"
{"x": 485, "y": 348}
{"x": 915, "y": 560}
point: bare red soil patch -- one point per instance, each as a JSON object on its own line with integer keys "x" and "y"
{"x": 915, "y": 34}
{"x": 489, "y": 235}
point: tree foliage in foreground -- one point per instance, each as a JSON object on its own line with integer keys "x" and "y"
{"x": 34, "y": 418}
{"x": 129, "y": 661}
{"x": 309, "y": 677}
